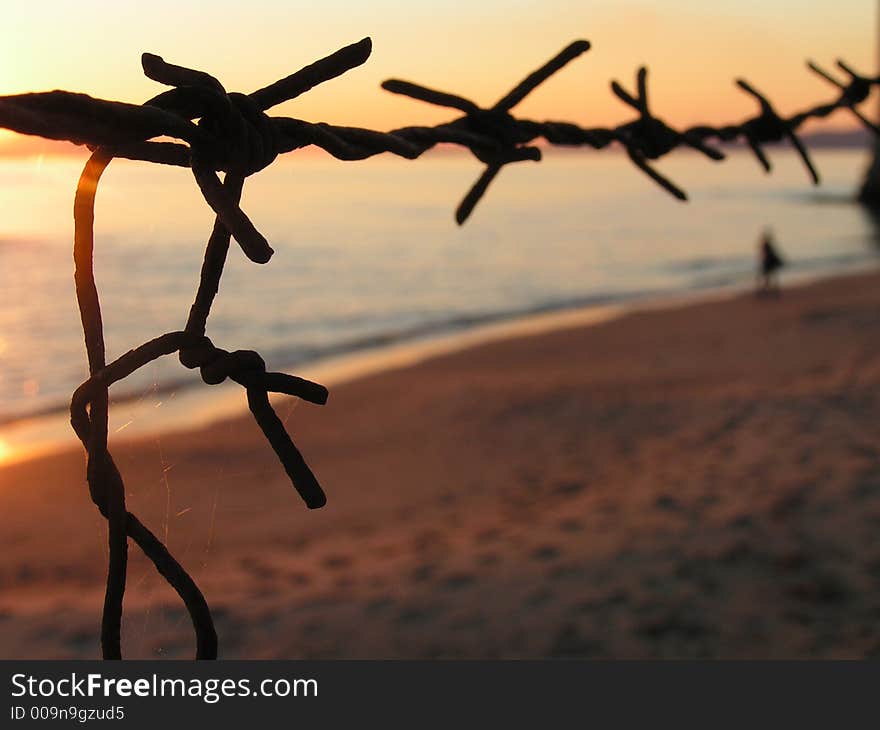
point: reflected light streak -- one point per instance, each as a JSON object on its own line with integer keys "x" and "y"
{"x": 5, "y": 451}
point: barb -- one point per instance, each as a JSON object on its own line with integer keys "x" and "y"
{"x": 507, "y": 138}
{"x": 235, "y": 136}
{"x": 852, "y": 94}
{"x": 649, "y": 137}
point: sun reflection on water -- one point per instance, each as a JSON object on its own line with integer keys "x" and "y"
{"x": 5, "y": 451}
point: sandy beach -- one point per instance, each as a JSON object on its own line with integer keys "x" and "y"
{"x": 691, "y": 481}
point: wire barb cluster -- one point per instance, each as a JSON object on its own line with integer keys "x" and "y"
{"x": 219, "y": 131}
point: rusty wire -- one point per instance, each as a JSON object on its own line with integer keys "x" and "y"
{"x": 234, "y": 135}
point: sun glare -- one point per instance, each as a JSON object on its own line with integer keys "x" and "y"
{"x": 5, "y": 451}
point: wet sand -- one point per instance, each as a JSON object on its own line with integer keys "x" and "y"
{"x": 694, "y": 481}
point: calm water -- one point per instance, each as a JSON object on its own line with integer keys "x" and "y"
{"x": 368, "y": 253}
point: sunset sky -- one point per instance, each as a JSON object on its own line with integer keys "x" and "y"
{"x": 479, "y": 49}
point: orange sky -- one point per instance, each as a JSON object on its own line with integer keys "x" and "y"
{"x": 694, "y": 50}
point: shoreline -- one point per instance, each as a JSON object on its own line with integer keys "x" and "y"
{"x": 191, "y": 408}
{"x": 679, "y": 482}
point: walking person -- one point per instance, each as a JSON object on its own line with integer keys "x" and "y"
{"x": 769, "y": 263}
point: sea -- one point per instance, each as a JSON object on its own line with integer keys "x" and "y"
{"x": 368, "y": 254}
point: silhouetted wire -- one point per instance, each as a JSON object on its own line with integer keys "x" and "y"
{"x": 234, "y": 135}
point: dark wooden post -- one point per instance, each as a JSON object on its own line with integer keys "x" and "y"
{"x": 870, "y": 193}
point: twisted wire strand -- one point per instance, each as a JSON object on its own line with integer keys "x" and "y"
{"x": 216, "y": 131}
{"x": 107, "y": 494}
{"x": 493, "y": 135}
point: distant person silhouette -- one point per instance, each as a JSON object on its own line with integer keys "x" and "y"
{"x": 769, "y": 262}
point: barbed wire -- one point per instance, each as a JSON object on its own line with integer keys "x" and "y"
{"x": 233, "y": 134}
